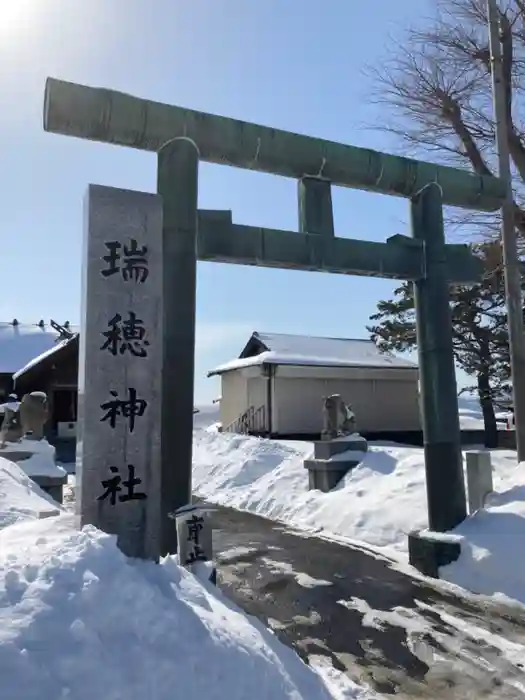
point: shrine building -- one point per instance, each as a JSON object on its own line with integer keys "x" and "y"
{"x": 277, "y": 385}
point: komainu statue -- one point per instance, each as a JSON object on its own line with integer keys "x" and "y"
{"x": 338, "y": 418}
{"x": 34, "y": 412}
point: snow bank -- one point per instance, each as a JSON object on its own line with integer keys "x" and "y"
{"x": 42, "y": 460}
{"x": 20, "y": 497}
{"x": 78, "y": 620}
{"x": 492, "y": 540}
{"x": 379, "y": 502}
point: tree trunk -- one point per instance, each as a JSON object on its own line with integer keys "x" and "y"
{"x": 487, "y": 408}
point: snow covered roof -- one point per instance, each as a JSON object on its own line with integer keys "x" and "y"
{"x": 22, "y": 342}
{"x": 281, "y": 348}
{"x": 57, "y": 347}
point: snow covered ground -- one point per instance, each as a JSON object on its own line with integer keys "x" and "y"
{"x": 378, "y": 503}
{"x": 78, "y": 620}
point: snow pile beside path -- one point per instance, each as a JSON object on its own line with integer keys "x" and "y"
{"x": 20, "y": 497}
{"x": 492, "y": 540}
{"x": 78, "y": 620}
{"x": 379, "y": 502}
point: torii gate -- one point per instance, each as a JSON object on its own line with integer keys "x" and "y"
{"x": 181, "y": 138}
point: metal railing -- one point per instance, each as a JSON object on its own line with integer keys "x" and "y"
{"x": 251, "y": 422}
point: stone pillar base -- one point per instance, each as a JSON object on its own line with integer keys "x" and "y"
{"x": 333, "y": 459}
{"x": 325, "y": 449}
{"x": 428, "y": 552}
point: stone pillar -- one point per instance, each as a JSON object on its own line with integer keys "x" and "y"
{"x": 479, "y": 479}
{"x": 194, "y": 537}
{"x": 120, "y": 365}
{"x": 439, "y": 402}
{"x": 315, "y": 206}
{"x": 177, "y": 182}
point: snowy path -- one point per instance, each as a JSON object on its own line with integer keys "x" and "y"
{"x": 378, "y": 624}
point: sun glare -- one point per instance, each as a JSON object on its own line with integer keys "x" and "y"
{"x": 16, "y": 14}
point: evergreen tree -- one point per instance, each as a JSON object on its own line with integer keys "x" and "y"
{"x": 480, "y": 335}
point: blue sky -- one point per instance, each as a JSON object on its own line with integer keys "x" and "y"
{"x": 292, "y": 64}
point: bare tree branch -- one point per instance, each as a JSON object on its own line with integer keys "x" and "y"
{"x": 437, "y": 87}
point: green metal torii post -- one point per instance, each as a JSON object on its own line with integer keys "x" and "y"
{"x": 112, "y": 117}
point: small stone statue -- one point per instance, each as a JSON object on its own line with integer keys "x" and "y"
{"x": 11, "y": 427}
{"x": 349, "y": 423}
{"x": 34, "y": 412}
{"x": 339, "y": 419}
